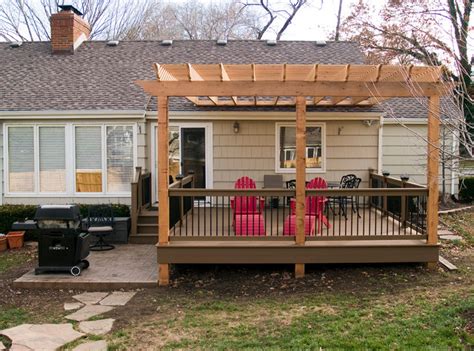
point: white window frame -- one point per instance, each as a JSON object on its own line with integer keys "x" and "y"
{"x": 279, "y": 169}
{"x": 70, "y": 151}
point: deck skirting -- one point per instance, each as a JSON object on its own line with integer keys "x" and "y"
{"x": 287, "y": 252}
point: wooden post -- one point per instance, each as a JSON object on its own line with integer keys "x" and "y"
{"x": 163, "y": 180}
{"x": 403, "y": 207}
{"x": 300, "y": 177}
{"x": 433, "y": 171}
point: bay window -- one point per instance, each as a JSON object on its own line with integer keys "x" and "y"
{"x": 286, "y": 148}
{"x": 69, "y": 159}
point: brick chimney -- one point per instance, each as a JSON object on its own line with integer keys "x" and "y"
{"x": 68, "y": 30}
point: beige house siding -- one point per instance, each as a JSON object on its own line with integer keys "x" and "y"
{"x": 351, "y": 147}
{"x": 405, "y": 152}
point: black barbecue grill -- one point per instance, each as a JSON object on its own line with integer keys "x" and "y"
{"x": 62, "y": 246}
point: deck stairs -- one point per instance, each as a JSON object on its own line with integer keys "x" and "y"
{"x": 147, "y": 230}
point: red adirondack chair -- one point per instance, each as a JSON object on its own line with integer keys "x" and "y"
{"x": 314, "y": 211}
{"x": 247, "y": 210}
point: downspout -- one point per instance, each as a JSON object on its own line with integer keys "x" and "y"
{"x": 380, "y": 146}
{"x": 453, "y": 163}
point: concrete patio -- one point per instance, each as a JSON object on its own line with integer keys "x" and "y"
{"x": 127, "y": 266}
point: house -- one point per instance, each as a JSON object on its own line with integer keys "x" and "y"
{"x": 76, "y": 123}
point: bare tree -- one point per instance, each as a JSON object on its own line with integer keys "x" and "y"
{"x": 276, "y": 16}
{"x": 338, "y": 24}
{"x": 432, "y": 32}
{"x": 28, "y": 20}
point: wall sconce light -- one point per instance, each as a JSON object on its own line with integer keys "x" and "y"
{"x": 368, "y": 122}
{"x": 236, "y": 127}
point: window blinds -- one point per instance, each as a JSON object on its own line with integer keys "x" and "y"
{"x": 52, "y": 159}
{"x": 21, "y": 158}
{"x": 88, "y": 159}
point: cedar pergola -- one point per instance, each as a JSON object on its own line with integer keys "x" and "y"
{"x": 300, "y": 86}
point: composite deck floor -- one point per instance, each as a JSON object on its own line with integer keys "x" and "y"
{"x": 127, "y": 266}
{"x": 217, "y": 222}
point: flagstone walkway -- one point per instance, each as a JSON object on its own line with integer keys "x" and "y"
{"x": 54, "y": 336}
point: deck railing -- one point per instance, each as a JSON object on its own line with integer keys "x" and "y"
{"x": 410, "y": 209}
{"x": 141, "y": 196}
{"x": 346, "y": 213}
{"x": 180, "y": 206}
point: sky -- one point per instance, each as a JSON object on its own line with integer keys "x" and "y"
{"x": 304, "y": 26}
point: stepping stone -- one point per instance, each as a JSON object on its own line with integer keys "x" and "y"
{"x": 17, "y": 347}
{"x": 41, "y": 336}
{"x": 87, "y": 312}
{"x": 98, "y": 327}
{"x": 450, "y": 237}
{"x": 90, "y": 298}
{"x": 118, "y": 298}
{"x": 445, "y": 232}
{"x": 69, "y": 306}
{"x": 100, "y": 345}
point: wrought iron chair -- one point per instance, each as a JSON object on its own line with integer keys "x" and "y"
{"x": 100, "y": 223}
{"x": 348, "y": 181}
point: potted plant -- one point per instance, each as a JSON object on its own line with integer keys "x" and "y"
{"x": 3, "y": 242}
{"x": 15, "y": 239}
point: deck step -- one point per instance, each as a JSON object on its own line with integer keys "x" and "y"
{"x": 143, "y": 239}
{"x": 144, "y": 228}
{"x": 147, "y": 219}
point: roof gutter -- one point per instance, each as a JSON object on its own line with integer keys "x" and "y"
{"x": 73, "y": 114}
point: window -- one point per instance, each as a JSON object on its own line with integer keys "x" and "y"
{"x": 119, "y": 158}
{"x": 52, "y": 160}
{"x": 69, "y": 159}
{"x": 286, "y": 148}
{"x": 21, "y": 162}
{"x": 88, "y": 159}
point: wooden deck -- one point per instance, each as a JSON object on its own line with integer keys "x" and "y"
{"x": 206, "y": 235}
{"x": 127, "y": 266}
{"x": 217, "y": 222}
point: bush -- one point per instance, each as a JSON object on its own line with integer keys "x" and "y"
{"x": 466, "y": 189}
{"x": 13, "y": 213}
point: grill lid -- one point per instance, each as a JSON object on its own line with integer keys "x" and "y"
{"x": 58, "y": 212}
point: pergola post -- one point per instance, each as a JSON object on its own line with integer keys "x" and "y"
{"x": 300, "y": 177}
{"x": 163, "y": 172}
{"x": 433, "y": 171}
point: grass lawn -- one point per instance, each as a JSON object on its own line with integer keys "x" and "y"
{"x": 335, "y": 307}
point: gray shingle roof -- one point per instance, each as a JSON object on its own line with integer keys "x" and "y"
{"x": 99, "y": 77}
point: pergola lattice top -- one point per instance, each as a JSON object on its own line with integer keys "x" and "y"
{"x": 370, "y": 78}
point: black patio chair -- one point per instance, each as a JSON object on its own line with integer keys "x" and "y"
{"x": 291, "y": 184}
{"x": 100, "y": 223}
{"x": 348, "y": 181}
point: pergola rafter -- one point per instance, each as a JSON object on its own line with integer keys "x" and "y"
{"x": 323, "y": 85}
{"x": 296, "y": 85}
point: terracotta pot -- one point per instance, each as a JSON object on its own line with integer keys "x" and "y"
{"x": 3, "y": 243}
{"x": 15, "y": 239}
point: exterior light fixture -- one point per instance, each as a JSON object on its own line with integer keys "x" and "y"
{"x": 236, "y": 127}
{"x": 404, "y": 177}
